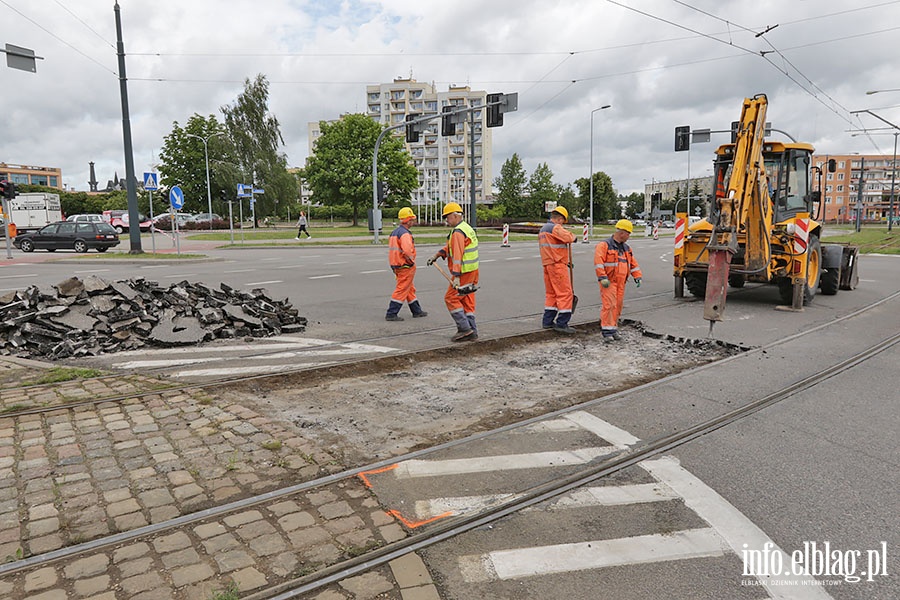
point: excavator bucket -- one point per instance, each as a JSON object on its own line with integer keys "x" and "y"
{"x": 716, "y": 285}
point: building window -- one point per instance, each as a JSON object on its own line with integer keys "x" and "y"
{"x": 54, "y": 181}
{"x": 840, "y": 188}
{"x": 18, "y": 178}
{"x": 840, "y": 176}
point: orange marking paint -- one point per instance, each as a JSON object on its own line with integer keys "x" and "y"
{"x": 414, "y": 524}
{"x": 365, "y": 479}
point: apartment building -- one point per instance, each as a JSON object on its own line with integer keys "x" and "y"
{"x": 27, "y": 174}
{"x": 840, "y": 190}
{"x": 444, "y": 163}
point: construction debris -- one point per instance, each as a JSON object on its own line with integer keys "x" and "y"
{"x": 95, "y": 316}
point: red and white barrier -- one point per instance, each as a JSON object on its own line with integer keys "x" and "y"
{"x": 801, "y": 235}
{"x": 505, "y": 243}
{"x": 679, "y": 233}
{"x": 656, "y": 231}
{"x": 584, "y": 234}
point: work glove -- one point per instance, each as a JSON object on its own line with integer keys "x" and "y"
{"x": 604, "y": 282}
{"x": 637, "y": 282}
{"x": 431, "y": 260}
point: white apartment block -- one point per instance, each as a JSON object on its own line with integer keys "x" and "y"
{"x": 443, "y": 163}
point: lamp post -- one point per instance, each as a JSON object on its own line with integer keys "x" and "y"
{"x": 870, "y": 92}
{"x": 591, "y": 194}
{"x": 206, "y": 156}
{"x": 893, "y": 164}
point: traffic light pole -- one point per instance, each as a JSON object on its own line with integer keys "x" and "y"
{"x": 473, "y": 217}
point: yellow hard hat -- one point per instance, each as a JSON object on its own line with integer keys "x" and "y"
{"x": 406, "y": 213}
{"x": 562, "y": 210}
{"x": 625, "y": 224}
{"x": 451, "y": 207}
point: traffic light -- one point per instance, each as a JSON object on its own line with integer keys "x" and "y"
{"x": 682, "y": 138}
{"x": 412, "y": 133}
{"x": 494, "y": 116}
{"x": 735, "y": 128}
{"x": 8, "y": 188}
{"x": 380, "y": 191}
{"x": 447, "y": 125}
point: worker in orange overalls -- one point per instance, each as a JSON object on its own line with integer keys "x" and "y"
{"x": 614, "y": 262}
{"x": 554, "y": 241}
{"x": 461, "y": 252}
{"x": 402, "y": 256}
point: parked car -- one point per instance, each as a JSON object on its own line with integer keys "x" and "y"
{"x": 65, "y": 235}
{"x": 668, "y": 224}
{"x": 119, "y": 220}
{"x": 164, "y": 221}
{"x": 86, "y": 218}
{"x": 205, "y": 218}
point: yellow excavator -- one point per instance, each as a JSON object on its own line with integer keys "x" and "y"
{"x": 760, "y": 226}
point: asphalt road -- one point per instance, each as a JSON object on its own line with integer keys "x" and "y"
{"x": 821, "y": 467}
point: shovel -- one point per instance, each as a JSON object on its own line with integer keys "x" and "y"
{"x": 572, "y": 279}
{"x": 462, "y": 290}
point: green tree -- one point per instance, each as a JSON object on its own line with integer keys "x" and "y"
{"x": 634, "y": 204}
{"x": 511, "y": 185}
{"x": 340, "y": 169}
{"x": 255, "y": 137}
{"x": 606, "y": 205}
{"x": 542, "y": 190}
{"x": 183, "y": 160}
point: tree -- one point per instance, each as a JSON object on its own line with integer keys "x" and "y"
{"x": 340, "y": 168}
{"x": 634, "y": 204}
{"x": 512, "y": 186}
{"x": 606, "y": 206}
{"x": 183, "y": 161}
{"x": 542, "y": 190}
{"x": 255, "y": 137}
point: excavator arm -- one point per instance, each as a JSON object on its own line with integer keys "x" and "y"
{"x": 745, "y": 209}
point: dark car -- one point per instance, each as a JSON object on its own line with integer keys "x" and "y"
{"x": 65, "y": 235}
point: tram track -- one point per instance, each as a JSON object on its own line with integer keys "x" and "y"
{"x": 455, "y": 526}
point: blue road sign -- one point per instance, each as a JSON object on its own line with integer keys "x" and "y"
{"x": 176, "y": 197}
{"x": 151, "y": 183}
{"x": 243, "y": 190}
{"x": 259, "y": 191}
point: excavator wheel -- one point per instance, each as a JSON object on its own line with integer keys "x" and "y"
{"x": 696, "y": 284}
{"x": 737, "y": 280}
{"x": 830, "y": 281}
{"x": 813, "y": 273}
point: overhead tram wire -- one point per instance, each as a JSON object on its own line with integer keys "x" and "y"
{"x": 91, "y": 29}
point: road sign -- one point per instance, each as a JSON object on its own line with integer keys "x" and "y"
{"x": 151, "y": 183}
{"x": 176, "y": 197}
{"x": 259, "y": 191}
{"x": 243, "y": 190}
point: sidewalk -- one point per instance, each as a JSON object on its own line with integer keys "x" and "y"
{"x": 77, "y": 474}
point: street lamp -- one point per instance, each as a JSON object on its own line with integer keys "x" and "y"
{"x": 893, "y": 164}
{"x": 206, "y": 156}
{"x": 870, "y": 92}
{"x": 591, "y": 194}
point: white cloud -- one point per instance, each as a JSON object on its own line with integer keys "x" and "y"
{"x": 671, "y": 66}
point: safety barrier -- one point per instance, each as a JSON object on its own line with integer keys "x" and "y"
{"x": 584, "y": 234}
{"x": 505, "y": 243}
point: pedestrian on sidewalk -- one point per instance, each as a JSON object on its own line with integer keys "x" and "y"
{"x": 402, "y": 256}
{"x": 614, "y": 262}
{"x": 301, "y": 226}
{"x": 554, "y": 242}
{"x": 461, "y": 253}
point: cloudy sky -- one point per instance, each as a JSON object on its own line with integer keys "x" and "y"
{"x": 658, "y": 63}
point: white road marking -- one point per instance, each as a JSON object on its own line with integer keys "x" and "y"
{"x": 619, "y": 438}
{"x": 92, "y": 271}
{"x": 427, "y": 509}
{"x": 370, "y": 272}
{"x": 739, "y": 532}
{"x": 488, "y": 260}
{"x": 240, "y": 370}
{"x": 18, "y": 276}
{"x": 614, "y": 495}
{"x": 155, "y": 266}
{"x": 264, "y": 282}
{"x": 326, "y": 276}
{"x": 241, "y": 271}
{"x": 178, "y": 276}
{"x": 291, "y": 267}
{"x": 340, "y": 262}
{"x": 486, "y": 464}
{"x": 562, "y": 558}
{"x": 514, "y": 258}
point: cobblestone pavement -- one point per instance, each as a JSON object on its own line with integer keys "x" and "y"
{"x": 76, "y": 474}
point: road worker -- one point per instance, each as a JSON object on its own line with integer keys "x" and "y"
{"x": 461, "y": 253}
{"x": 402, "y": 256}
{"x": 614, "y": 262}
{"x": 555, "y": 242}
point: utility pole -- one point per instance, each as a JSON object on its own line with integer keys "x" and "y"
{"x": 134, "y": 233}
{"x": 859, "y": 193}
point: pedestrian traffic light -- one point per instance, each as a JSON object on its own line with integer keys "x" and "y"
{"x": 8, "y": 188}
{"x": 682, "y": 138}
{"x": 494, "y": 115}
{"x": 412, "y": 133}
{"x": 380, "y": 191}
{"x": 448, "y": 127}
